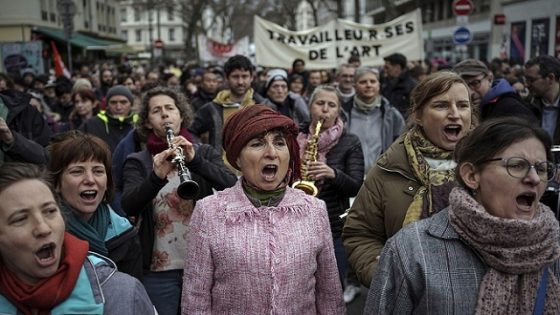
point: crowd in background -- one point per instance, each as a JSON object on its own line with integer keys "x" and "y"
{"x": 384, "y": 135}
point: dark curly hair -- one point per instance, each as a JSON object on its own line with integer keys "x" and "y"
{"x": 180, "y": 101}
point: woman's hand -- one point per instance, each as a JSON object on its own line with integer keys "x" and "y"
{"x": 319, "y": 170}
{"x": 162, "y": 163}
{"x": 188, "y": 148}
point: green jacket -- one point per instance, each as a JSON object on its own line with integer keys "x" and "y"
{"x": 378, "y": 210}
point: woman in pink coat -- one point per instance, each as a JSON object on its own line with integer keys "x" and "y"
{"x": 261, "y": 247}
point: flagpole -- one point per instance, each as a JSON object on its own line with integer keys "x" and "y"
{"x": 69, "y": 51}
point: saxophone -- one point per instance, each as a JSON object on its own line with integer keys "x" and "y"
{"x": 310, "y": 155}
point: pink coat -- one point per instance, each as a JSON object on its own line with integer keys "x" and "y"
{"x": 270, "y": 260}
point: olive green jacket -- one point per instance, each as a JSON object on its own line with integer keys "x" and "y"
{"x": 379, "y": 210}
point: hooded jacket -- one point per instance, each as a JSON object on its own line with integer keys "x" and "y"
{"x": 99, "y": 289}
{"x": 502, "y": 100}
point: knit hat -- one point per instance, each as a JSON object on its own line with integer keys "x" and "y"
{"x": 119, "y": 90}
{"x": 470, "y": 68}
{"x": 251, "y": 121}
{"x": 276, "y": 75}
{"x": 81, "y": 84}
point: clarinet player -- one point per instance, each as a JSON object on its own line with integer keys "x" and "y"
{"x": 333, "y": 161}
{"x": 151, "y": 179}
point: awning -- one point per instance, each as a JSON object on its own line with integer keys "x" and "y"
{"x": 80, "y": 40}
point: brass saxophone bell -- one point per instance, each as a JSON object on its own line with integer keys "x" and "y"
{"x": 308, "y": 187}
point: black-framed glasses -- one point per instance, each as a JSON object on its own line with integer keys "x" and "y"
{"x": 519, "y": 167}
{"x": 475, "y": 84}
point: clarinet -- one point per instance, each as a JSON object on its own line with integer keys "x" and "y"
{"x": 188, "y": 188}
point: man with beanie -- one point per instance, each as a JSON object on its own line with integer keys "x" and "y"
{"x": 116, "y": 121}
{"x": 209, "y": 119}
{"x": 496, "y": 98}
{"x": 397, "y": 82}
{"x": 289, "y": 104}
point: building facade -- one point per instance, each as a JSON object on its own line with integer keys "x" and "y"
{"x": 144, "y": 23}
{"x": 515, "y": 29}
{"x": 39, "y": 24}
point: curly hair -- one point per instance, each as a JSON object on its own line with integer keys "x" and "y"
{"x": 180, "y": 101}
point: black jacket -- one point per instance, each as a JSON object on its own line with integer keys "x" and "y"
{"x": 30, "y": 130}
{"x": 108, "y": 128}
{"x": 398, "y": 92}
{"x": 502, "y": 100}
{"x": 347, "y": 160}
{"x": 200, "y": 98}
{"x": 141, "y": 185}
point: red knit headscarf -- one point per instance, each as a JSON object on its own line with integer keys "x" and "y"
{"x": 252, "y": 121}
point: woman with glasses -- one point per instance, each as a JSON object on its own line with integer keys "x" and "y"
{"x": 495, "y": 249}
{"x": 413, "y": 178}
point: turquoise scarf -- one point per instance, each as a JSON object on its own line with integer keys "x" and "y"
{"x": 94, "y": 230}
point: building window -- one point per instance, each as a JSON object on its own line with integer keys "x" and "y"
{"x": 171, "y": 34}
{"x": 136, "y": 14}
{"x": 170, "y": 14}
{"x": 44, "y": 14}
{"x": 123, "y": 14}
{"x": 138, "y": 35}
{"x": 53, "y": 17}
{"x": 124, "y": 34}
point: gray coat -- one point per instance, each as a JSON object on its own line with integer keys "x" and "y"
{"x": 123, "y": 294}
{"x": 427, "y": 269}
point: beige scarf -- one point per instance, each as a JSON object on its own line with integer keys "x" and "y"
{"x": 516, "y": 252}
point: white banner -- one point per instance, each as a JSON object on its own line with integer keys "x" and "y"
{"x": 331, "y": 45}
{"x": 214, "y": 51}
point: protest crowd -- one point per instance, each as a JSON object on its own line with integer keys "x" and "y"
{"x": 240, "y": 189}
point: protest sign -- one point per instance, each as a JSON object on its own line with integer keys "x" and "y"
{"x": 330, "y": 45}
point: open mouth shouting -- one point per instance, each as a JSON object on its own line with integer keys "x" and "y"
{"x": 88, "y": 195}
{"x": 46, "y": 255}
{"x": 269, "y": 172}
{"x": 526, "y": 201}
{"x": 453, "y": 132}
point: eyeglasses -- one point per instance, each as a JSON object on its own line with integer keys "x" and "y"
{"x": 518, "y": 167}
{"x": 475, "y": 84}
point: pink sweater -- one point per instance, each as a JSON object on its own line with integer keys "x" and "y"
{"x": 270, "y": 260}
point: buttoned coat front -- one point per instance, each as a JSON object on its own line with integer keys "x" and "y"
{"x": 267, "y": 260}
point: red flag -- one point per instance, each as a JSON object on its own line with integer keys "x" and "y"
{"x": 59, "y": 68}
